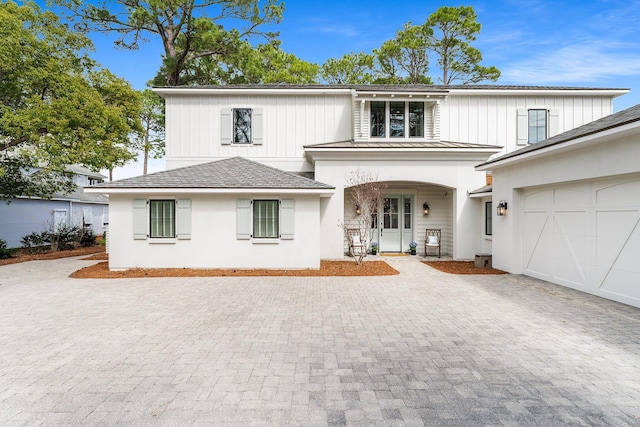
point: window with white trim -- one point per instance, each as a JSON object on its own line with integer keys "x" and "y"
{"x": 242, "y": 126}
{"x": 393, "y": 115}
{"x": 265, "y": 219}
{"x": 537, "y": 125}
{"x": 162, "y": 218}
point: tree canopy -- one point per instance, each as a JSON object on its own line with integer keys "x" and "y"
{"x": 150, "y": 139}
{"x": 444, "y": 39}
{"x": 57, "y": 106}
{"x": 452, "y": 31}
{"x": 190, "y": 30}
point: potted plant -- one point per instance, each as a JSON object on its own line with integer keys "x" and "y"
{"x": 374, "y": 248}
{"x": 412, "y": 247}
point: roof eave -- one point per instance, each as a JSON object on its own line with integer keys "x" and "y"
{"x": 164, "y": 91}
{"x": 541, "y": 91}
{"x": 572, "y": 144}
{"x": 175, "y": 190}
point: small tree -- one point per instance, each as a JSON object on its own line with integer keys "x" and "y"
{"x": 366, "y": 193}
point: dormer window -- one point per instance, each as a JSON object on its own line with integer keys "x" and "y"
{"x": 393, "y": 115}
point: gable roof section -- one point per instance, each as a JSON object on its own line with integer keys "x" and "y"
{"x": 235, "y": 173}
{"x": 612, "y": 121}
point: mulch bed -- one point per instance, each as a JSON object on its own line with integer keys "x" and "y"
{"x": 461, "y": 267}
{"x": 22, "y": 255}
{"x": 327, "y": 268}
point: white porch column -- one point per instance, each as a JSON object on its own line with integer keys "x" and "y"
{"x": 331, "y": 211}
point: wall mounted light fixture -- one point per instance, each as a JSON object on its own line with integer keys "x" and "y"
{"x": 425, "y": 208}
{"x": 358, "y": 211}
{"x": 502, "y": 208}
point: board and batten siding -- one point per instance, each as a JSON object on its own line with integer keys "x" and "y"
{"x": 492, "y": 120}
{"x": 362, "y": 119}
{"x": 289, "y": 123}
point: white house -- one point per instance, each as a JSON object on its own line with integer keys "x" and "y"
{"x": 256, "y": 175}
{"x": 25, "y": 215}
{"x": 573, "y": 208}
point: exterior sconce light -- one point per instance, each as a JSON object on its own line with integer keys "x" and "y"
{"x": 358, "y": 211}
{"x": 425, "y": 208}
{"x": 502, "y": 208}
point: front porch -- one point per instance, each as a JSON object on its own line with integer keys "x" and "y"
{"x": 401, "y": 219}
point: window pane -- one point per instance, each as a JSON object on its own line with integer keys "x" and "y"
{"x": 377, "y": 119}
{"x": 390, "y": 213}
{"x": 488, "y": 218}
{"x": 407, "y": 213}
{"x": 416, "y": 119}
{"x": 265, "y": 219}
{"x": 242, "y": 126}
{"x": 162, "y": 218}
{"x": 396, "y": 119}
{"x": 537, "y": 125}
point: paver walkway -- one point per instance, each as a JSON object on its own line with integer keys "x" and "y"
{"x": 419, "y": 348}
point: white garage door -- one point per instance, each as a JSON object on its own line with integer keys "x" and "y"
{"x": 585, "y": 236}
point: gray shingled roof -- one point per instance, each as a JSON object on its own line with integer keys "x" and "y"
{"x": 398, "y": 144}
{"x": 235, "y": 172}
{"x": 621, "y": 118}
{"x": 395, "y": 88}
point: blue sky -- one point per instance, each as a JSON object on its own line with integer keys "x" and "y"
{"x": 533, "y": 42}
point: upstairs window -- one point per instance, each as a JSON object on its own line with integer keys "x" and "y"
{"x": 242, "y": 126}
{"x": 403, "y": 119}
{"x": 377, "y": 119}
{"x": 396, "y": 119}
{"x": 416, "y": 119}
{"x": 537, "y": 126}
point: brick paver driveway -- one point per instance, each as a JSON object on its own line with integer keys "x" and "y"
{"x": 420, "y": 348}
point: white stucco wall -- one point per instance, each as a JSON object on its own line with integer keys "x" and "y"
{"x": 213, "y": 242}
{"x": 456, "y": 178}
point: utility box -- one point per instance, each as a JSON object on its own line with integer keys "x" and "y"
{"x": 483, "y": 261}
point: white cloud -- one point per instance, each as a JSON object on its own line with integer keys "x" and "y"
{"x": 590, "y": 61}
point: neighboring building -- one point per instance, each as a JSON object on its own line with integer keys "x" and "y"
{"x": 573, "y": 208}
{"x": 25, "y": 215}
{"x": 219, "y": 204}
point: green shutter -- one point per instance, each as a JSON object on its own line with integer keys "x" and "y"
{"x": 522, "y": 126}
{"x": 226, "y": 124}
{"x": 243, "y": 219}
{"x": 257, "y": 126}
{"x": 287, "y": 217}
{"x": 183, "y": 219}
{"x": 140, "y": 219}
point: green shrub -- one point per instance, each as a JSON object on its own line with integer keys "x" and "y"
{"x": 88, "y": 237}
{"x": 65, "y": 237}
{"x": 36, "y": 242}
{"x": 4, "y": 251}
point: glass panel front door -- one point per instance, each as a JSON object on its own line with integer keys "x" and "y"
{"x": 394, "y": 223}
